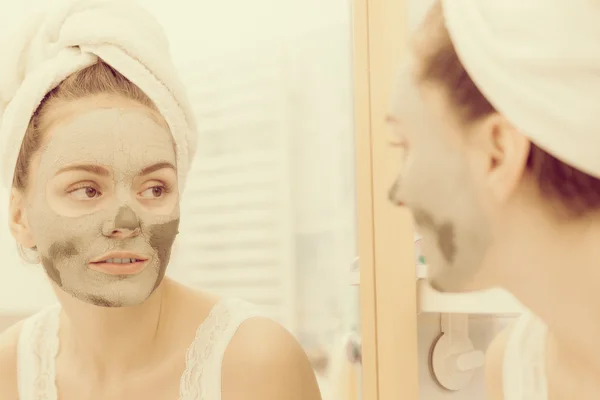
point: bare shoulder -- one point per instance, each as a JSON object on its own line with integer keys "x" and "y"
{"x": 264, "y": 361}
{"x": 494, "y": 364}
{"x": 8, "y": 362}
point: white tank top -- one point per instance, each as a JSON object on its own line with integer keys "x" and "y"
{"x": 524, "y": 366}
{"x": 201, "y": 379}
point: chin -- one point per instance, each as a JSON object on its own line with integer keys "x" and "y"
{"x": 452, "y": 282}
{"x": 120, "y": 302}
{"x": 115, "y": 296}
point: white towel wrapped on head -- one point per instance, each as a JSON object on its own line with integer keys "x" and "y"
{"x": 538, "y": 63}
{"x": 71, "y": 35}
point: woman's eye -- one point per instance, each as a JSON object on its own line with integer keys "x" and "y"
{"x": 153, "y": 192}
{"x": 85, "y": 193}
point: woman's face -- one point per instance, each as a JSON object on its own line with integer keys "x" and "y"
{"x": 440, "y": 181}
{"x": 102, "y": 204}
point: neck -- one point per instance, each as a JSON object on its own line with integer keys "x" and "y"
{"x": 110, "y": 341}
{"x": 557, "y": 276}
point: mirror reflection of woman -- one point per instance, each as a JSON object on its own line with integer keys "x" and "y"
{"x": 97, "y": 138}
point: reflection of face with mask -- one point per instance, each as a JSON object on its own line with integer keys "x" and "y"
{"x": 437, "y": 184}
{"x": 104, "y": 205}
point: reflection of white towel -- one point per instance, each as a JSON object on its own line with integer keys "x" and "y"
{"x": 71, "y": 35}
{"x": 538, "y": 63}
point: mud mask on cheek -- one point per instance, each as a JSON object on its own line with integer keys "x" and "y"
{"x": 71, "y": 244}
{"x": 444, "y": 232}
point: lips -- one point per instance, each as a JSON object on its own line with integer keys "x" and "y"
{"x": 120, "y": 263}
{"x": 119, "y": 258}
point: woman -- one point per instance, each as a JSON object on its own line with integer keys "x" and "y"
{"x": 498, "y": 114}
{"x": 97, "y": 165}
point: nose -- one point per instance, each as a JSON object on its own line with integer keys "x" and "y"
{"x": 394, "y": 194}
{"x": 120, "y": 233}
{"x": 125, "y": 225}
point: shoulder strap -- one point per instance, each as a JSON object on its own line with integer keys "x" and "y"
{"x": 36, "y": 355}
{"x": 524, "y": 366}
{"x": 201, "y": 379}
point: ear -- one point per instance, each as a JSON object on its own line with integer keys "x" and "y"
{"x": 505, "y": 152}
{"x": 19, "y": 226}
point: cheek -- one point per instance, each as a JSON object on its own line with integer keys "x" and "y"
{"x": 440, "y": 186}
{"x": 50, "y": 230}
{"x": 419, "y": 182}
{"x": 162, "y": 236}
{"x": 41, "y": 222}
{"x": 169, "y": 207}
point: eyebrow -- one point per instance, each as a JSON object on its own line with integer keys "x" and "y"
{"x": 156, "y": 167}
{"x": 93, "y": 169}
{"x": 102, "y": 171}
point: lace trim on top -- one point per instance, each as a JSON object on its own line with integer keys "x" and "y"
{"x": 524, "y": 369}
{"x": 40, "y": 348}
{"x": 200, "y": 350}
{"x": 201, "y": 379}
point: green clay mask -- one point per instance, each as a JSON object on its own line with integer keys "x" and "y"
{"x": 106, "y": 184}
